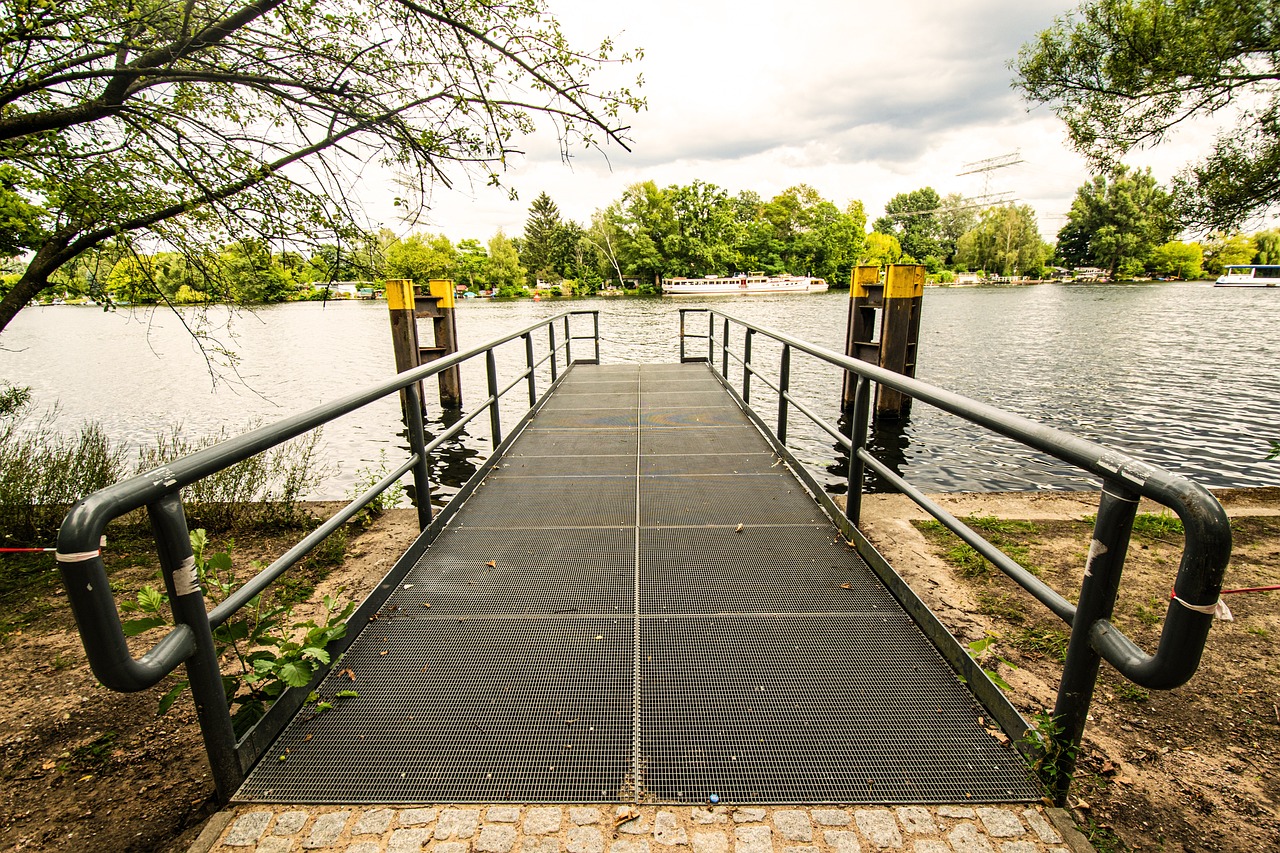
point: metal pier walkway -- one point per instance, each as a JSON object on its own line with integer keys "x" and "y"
{"x": 641, "y": 603}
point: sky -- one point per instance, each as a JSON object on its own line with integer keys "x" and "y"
{"x": 858, "y": 99}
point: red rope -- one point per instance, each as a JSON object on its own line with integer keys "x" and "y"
{"x": 26, "y": 550}
{"x": 1251, "y": 589}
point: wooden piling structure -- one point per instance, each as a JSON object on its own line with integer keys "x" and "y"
{"x": 898, "y": 298}
{"x": 438, "y": 304}
{"x": 404, "y": 327}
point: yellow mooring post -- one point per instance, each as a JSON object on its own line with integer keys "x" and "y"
{"x": 438, "y": 304}
{"x": 404, "y": 326}
{"x": 899, "y": 299}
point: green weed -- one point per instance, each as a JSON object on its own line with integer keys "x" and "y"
{"x": 367, "y": 478}
{"x": 1001, "y": 606}
{"x": 95, "y": 753}
{"x": 1045, "y": 642}
{"x": 1157, "y": 526}
{"x": 1044, "y": 743}
{"x": 980, "y": 651}
{"x": 997, "y": 531}
{"x": 1127, "y": 691}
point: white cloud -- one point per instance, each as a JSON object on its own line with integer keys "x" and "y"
{"x": 860, "y": 100}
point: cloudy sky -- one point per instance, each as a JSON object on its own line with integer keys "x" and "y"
{"x": 858, "y": 99}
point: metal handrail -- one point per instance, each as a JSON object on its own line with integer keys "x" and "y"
{"x": 190, "y": 640}
{"x": 1207, "y": 545}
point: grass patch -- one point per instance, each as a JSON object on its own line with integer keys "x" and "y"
{"x": 1041, "y": 642}
{"x": 997, "y": 531}
{"x": 1157, "y": 525}
{"x": 1127, "y": 691}
{"x": 1000, "y": 606}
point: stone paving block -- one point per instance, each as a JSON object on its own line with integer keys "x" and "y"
{"x": 878, "y": 827}
{"x": 753, "y": 839}
{"x": 373, "y": 822}
{"x": 632, "y": 822}
{"x": 584, "y": 839}
{"x": 417, "y": 817}
{"x": 917, "y": 820}
{"x": 275, "y": 845}
{"x": 503, "y": 814}
{"x": 290, "y": 823}
{"x": 543, "y": 821}
{"x": 709, "y": 816}
{"x": 842, "y": 841}
{"x": 540, "y": 845}
{"x": 745, "y": 815}
{"x": 629, "y": 846}
{"x": 1040, "y": 826}
{"x": 1001, "y": 823}
{"x": 584, "y": 815}
{"x": 832, "y": 817}
{"x": 409, "y": 840}
{"x": 247, "y": 829}
{"x": 496, "y": 838}
{"x": 958, "y": 812}
{"x": 932, "y": 846}
{"x": 459, "y": 823}
{"x": 365, "y": 847}
{"x": 793, "y": 824}
{"x": 668, "y": 831}
{"x": 1018, "y": 847}
{"x": 710, "y": 842}
{"x": 805, "y": 849}
{"x": 966, "y": 838}
{"x": 326, "y": 830}
{"x": 451, "y": 847}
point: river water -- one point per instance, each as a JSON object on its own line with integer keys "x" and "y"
{"x": 1184, "y": 376}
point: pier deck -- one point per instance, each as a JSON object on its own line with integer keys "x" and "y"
{"x": 641, "y": 603}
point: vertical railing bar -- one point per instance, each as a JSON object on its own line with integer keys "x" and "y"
{"x": 724, "y": 355}
{"x": 711, "y": 340}
{"x": 1116, "y": 510}
{"x": 417, "y": 434}
{"x": 784, "y": 383}
{"x": 682, "y": 311}
{"x": 595, "y": 318}
{"x": 568, "y": 343}
{"x": 181, "y": 580}
{"x": 746, "y": 367}
{"x": 857, "y": 468}
{"x": 551, "y": 335}
{"x": 495, "y": 415}
{"x": 528, "y": 358}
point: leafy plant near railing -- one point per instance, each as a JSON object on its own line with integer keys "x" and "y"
{"x": 367, "y": 478}
{"x": 979, "y": 649}
{"x": 1046, "y": 748}
{"x": 269, "y": 650}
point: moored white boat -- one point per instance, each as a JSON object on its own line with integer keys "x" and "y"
{"x": 1249, "y": 275}
{"x": 743, "y": 283}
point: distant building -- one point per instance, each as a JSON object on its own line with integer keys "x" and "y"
{"x": 968, "y": 278}
{"x": 346, "y": 288}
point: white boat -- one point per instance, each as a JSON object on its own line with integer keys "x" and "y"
{"x": 1250, "y": 275}
{"x": 743, "y": 283}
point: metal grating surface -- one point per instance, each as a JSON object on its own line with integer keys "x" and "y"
{"x": 562, "y": 642}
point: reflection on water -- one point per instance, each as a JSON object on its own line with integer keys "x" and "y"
{"x": 1180, "y": 375}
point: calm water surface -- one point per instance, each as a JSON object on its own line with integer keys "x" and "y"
{"x": 1184, "y": 376}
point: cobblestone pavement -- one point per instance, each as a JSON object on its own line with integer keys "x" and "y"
{"x": 644, "y": 829}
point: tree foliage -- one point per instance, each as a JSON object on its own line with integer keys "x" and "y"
{"x": 1006, "y": 241}
{"x": 193, "y": 124}
{"x": 1115, "y": 223}
{"x": 1124, "y": 73}
{"x": 913, "y": 219}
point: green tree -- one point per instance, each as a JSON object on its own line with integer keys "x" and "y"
{"x": 539, "y": 250}
{"x": 1115, "y": 223}
{"x": 1268, "y": 243}
{"x": 1124, "y": 73}
{"x": 421, "y": 257}
{"x": 255, "y": 274}
{"x": 196, "y": 124}
{"x": 913, "y": 219}
{"x": 473, "y": 264}
{"x": 956, "y": 217}
{"x": 506, "y": 275}
{"x": 880, "y": 249}
{"x": 1006, "y": 241}
{"x": 645, "y": 225}
{"x": 1222, "y": 250}
{"x": 1178, "y": 260}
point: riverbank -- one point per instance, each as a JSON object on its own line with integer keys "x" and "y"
{"x": 1192, "y": 769}
{"x": 1189, "y": 769}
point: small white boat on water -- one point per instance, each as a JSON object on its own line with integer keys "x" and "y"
{"x": 1251, "y": 275}
{"x": 743, "y": 283}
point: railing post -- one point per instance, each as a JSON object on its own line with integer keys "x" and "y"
{"x": 711, "y": 340}
{"x": 746, "y": 367}
{"x": 568, "y": 342}
{"x": 495, "y": 417}
{"x": 181, "y": 579}
{"x": 1111, "y": 531}
{"x": 528, "y": 358}
{"x": 682, "y": 311}
{"x": 857, "y": 468}
{"x": 724, "y": 354}
{"x": 784, "y": 383}
{"x": 551, "y": 334}
{"x": 417, "y": 433}
{"x": 595, "y": 326}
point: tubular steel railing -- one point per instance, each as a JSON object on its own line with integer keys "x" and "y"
{"x": 190, "y": 641}
{"x": 1125, "y": 480}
